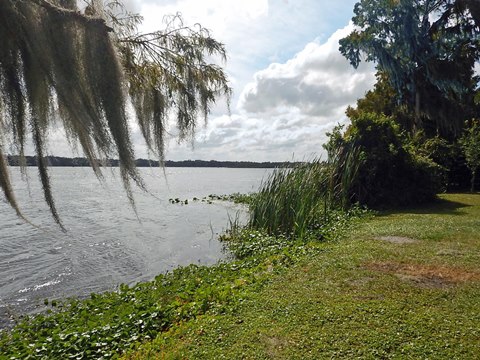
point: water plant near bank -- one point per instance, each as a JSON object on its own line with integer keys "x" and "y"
{"x": 236, "y": 198}
{"x": 299, "y": 202}
{"x": 107, "y": 324}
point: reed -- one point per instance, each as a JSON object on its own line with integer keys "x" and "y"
{"x": 298, "y": 201}
{"x": 290, "y": 199}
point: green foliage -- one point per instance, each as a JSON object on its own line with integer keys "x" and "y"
{"x": 236, "y": 198}
{"x": 106, "y": 324}
{"x": 58, "y": 64}
{"x": 302, "y": 201}
{"x": 427, "y": 49}
{"x": 382, "y": 100}
{"x": 388, "y": 174}
{"x": 291, "y": 200}
{"x": 109, "y": 324}
{"x": 448, "y": 155}
{"x": 470, "y": 143}
{"x": 358, "y": 298}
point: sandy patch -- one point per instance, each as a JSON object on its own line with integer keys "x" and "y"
{"x": 429, "y": 276}
{"x": 397, "y": 239}
{"x": 274, "y": 345}
{"x": 450, "y": 252}
{"x": 361, "y": 281}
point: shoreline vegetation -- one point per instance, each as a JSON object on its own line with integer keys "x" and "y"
{"x": 109, "y": 324}
{"x": 398, "y": 284}
{"x": 55, "y": 161}
{"x": 401, "y": 283}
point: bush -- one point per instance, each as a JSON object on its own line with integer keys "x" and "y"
{"x": 389, "y": 173}
{"x": 470, "y": 143}
{"x": 448, "y": 155}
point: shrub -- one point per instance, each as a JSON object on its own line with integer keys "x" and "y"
{"x": 448, "y": 155}
{"x": 470, "y": 143}
{"x": 388, "y": 174}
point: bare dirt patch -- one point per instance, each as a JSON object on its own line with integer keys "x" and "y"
{"x": 429, "y": 276}
{"x": 397, "y": 239}
{"x": 274, "y": 345}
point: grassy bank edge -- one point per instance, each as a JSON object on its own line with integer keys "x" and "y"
{"x": 405, "y": 284}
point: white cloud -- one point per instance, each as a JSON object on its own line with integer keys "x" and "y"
{"x": 282, "y": 110}
{"x": 255, "y": 32}
{"x": 288, "y": 108}
{"x": 216, "y": 15}
{"x": 317, "y": 81}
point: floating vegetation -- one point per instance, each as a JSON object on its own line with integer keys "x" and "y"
{"x": 236, "y": 198}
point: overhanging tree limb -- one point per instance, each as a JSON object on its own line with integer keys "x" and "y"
{"x": 72, "y": 13}
{"x": 56, "y": 62}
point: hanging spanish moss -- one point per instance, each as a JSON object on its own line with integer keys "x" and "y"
{"x": 57, "y": 62}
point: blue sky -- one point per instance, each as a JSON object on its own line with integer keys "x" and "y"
{"x": 290, "y": 83}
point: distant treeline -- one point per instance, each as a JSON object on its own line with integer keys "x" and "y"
{"x": 79, "y": 162}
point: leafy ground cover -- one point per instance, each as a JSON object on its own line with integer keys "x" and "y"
{"x": 404, "y": 284}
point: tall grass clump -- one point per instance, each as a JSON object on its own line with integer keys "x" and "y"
{"x": 290, "y": 199}
{"x": 301, "y": 200}
{"x": 298, "y": 201}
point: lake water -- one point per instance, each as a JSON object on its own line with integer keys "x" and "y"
{"x": 106, "y": 244}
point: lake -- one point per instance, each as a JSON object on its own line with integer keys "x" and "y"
{"x": 105, "y": 243}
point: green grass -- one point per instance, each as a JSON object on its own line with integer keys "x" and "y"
{"x": 356, "y": 297}
{"x": 351, "y": 296}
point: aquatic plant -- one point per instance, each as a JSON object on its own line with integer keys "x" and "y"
{"x": 298, "y": 201}
{"x": 290, "y": 199}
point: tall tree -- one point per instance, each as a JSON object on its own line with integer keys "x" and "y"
{"x": 427, "y": 49}
{"x": 82, "y": 67}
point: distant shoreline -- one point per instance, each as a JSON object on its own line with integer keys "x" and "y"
{"x": 56, "y": 161}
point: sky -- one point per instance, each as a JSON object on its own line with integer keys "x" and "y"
{"x": 290, "y": 83}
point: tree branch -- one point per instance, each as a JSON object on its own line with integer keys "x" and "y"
{"x": 72, "y": 14}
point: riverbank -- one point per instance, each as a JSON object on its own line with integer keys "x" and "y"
{"x": 112, "y": 323}
{"x": 403, "y": 284}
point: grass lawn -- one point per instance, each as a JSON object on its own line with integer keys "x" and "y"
{"x": 404, "y": 284}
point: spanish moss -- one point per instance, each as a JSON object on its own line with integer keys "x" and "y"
{"x": 81, "y": 68}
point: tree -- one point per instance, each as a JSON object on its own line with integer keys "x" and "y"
{"x": 381, "y": 100}
{"x": 81, "y": 68}
{"x": 470, "y": 143}
{"x": 427, "y": 49}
